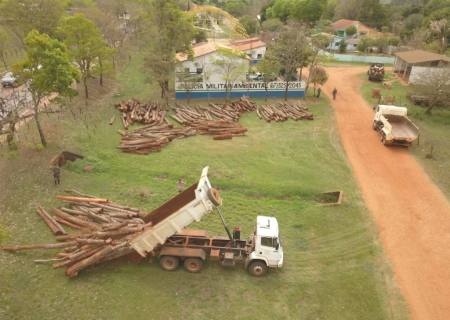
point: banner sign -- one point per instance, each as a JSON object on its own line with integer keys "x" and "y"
{"x": 275, "y": 89}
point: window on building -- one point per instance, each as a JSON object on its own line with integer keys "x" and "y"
{"x": 199, "y": 70}
{"x": 259, "y": 56}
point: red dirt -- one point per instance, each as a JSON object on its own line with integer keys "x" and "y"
{"x": 412, "y": 214}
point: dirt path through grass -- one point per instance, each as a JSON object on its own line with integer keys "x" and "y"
{"x": 412, "y": 214}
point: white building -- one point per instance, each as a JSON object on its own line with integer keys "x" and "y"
{"x": 416, "y": 64}
{"x": 253, "y": 47}
{"x": 203, "y": 65}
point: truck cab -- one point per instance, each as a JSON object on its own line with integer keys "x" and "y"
{"x": 267, "y": 250}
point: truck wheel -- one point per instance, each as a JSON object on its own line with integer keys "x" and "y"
{"x": 193, "y": 264}
{"x": 169, "y": 263}
{"x": 374, "y": 125}
{"x": 257, "y": 268}
{"x": 214, "y": 196}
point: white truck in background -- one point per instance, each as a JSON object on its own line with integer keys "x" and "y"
{"x": 394, "y": 126}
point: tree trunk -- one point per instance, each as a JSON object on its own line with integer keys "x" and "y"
{"x": 86, "y": 92}
{"x": 100, "y": 63}
{"x": 267, "y": 91}
{"x": 38, "y": 125}
{"x": 163, "y": 89}
{"x": 286, "y": 90}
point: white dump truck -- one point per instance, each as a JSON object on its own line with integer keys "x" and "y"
{"x": 394, "y": 126}
{"x": 168, "y": 239}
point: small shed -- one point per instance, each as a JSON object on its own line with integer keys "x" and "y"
{"x": 408, "y": 63}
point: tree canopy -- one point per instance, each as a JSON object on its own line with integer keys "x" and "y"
{"x": 22, "y": 16}
{"x": 85, "y": 44}
{"x": 48, "y": 69}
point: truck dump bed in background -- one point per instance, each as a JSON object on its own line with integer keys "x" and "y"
{"x": 176, "y": 214}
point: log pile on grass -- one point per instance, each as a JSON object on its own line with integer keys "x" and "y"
{"x": 283, "y": 112}
{"x": 103, "y": 230}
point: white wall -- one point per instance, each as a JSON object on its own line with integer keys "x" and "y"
{"x": 211, "y": 72}
{"x": 420, "y": 75}
{"x": 253, "y": 53}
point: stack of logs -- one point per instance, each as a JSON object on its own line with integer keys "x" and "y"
{"x": 227, "y": 112}
{"x": 283, "y": 112}
{"x": 219, "y": 129}
{"x": 103, "y": 232}
{"x": 152, "y": 138}
{"x": 134, "y": 111}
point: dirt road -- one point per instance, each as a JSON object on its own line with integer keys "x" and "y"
{"x": 412, "y": 214}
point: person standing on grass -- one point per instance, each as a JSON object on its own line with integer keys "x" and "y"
{"x": 319, "y": 91}
{"x": 334, "y": 93}
{"x": 56, "y": 175}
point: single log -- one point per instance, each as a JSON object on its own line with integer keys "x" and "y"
{"x": 54, "y": 226}
{"x": 67, "y": 223}
{"x": 14, "y": 248}
{"x": 81, "y": 199}
{"x": 73, "y": 270}
{"x": 76, "y": 221}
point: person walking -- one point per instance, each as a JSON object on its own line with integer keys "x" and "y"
{"x": 56, "y": 175}
{"x": 334, "y": 93}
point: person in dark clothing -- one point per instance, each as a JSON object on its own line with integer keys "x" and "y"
{"x": 56, "y": 175}
{"x": 334, "y": 93}
{"x": 319, "y": 91}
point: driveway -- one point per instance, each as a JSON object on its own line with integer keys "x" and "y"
{"x": 411, "y": 212}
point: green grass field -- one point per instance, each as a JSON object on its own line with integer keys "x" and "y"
{"x": 434, "y": 131}
{"x": 334, "y": 265}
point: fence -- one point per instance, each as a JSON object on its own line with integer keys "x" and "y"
{"x": 364, "y": 59}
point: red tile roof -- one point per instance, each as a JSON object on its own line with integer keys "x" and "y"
{"x": 344, "y": 24}
{"x": 247, "y": 44}
{"x": 199, "y": 50}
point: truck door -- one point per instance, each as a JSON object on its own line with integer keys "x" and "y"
{"x": 271, "y": 249}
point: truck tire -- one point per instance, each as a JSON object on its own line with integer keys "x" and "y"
{"x": 257, "y": 268}
{"x": 193, "y": 265}
{"x": 374, "y": 125}
{"x": 169, "y": 263}
{"x": 214, "y": 196}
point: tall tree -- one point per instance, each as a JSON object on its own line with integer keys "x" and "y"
{"x": 22, "y": 16}
{"x": 269, "y": 69}
{"x": 441, "y": 29}
{"x": 85, "y": 44}
{"x": 171, "y": 31}
{"x": 292, "y": 51}
{"x": 47, "y": 69}
{"x": 233, "y": 66}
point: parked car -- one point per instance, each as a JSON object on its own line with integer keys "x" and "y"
{"x": 9, "y": 80}
{"x": 255, "y": 76}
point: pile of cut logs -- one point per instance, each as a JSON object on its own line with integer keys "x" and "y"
{"x": 228, "y": 112}
{"x": 219, "y": 129}
{"x": 134, "y": 111}
{"x": 283, "y": 112}
{"x": 103, "y": 232}
{"x": 152, "y": 138}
